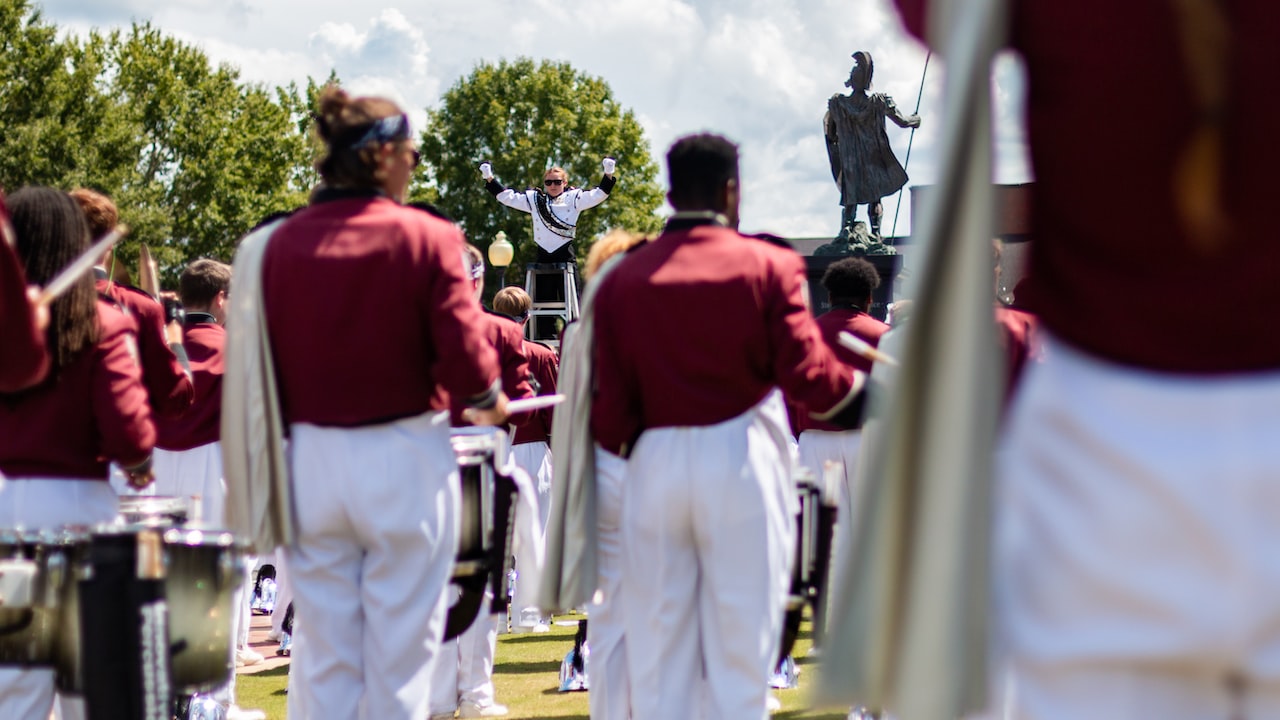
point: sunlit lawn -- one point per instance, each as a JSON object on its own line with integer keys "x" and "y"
{"x": 526, "y": 676}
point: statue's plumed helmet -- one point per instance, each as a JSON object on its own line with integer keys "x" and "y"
{"x": 863, "y": 68}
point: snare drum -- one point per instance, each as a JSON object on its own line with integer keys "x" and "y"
{"x": 485, "y": 524}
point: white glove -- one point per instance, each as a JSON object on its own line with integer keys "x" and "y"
{"x": 608, "y": 164}
{"x": 486, "y": 171}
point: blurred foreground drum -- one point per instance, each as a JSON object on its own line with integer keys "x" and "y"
{"x": 485, "y": 525}
{"x": 153, "y": 510}
{"x": 38, "y": 587}
{"x": 205, "y": 566}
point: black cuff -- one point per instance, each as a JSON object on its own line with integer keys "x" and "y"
{"x": 607, "y": 182}
{"x": 494, "y": 187}
{"x": 851, "y": 412}
{"x": 487, "y": 399}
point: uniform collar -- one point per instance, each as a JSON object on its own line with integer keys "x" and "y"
{"x": 687, "y": 219}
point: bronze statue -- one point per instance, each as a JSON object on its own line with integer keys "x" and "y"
{"x": 862, "y": 163}
{"x": 855, "y": 240}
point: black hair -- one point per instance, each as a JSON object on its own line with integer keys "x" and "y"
{"x": 850, "y": 280}
{"x": 52, "y": 231}
{"x": 698, "y": 167}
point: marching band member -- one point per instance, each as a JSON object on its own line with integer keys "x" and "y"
{"x": 25, "y": 361}
{"x": 530, "y": 448}
{"x": 1138, "y": 481}
{"x": 849, "y": 284}
{"x": 692, "y": 401}
{"x": 372, "y": 325}
{"x": 188, "y": 458}
{"x": 165, "y": 367}
{"x": 464, "y": 683}
{"x": 56, "y": 438}
{"x": 555, "y": 211}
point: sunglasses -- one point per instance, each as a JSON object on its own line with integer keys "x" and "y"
{"x": 549, "y": 183}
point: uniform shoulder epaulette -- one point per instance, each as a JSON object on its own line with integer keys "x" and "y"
{"x": 773, "y": 240}
{"x": 539, "y": 342}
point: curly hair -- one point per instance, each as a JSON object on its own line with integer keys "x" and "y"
{"x": 850, "y": 280}
{"x": 52, "y": 232}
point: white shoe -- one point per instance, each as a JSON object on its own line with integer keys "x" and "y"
{"x": 471, "y": 710}
{"x": 541, "y": 627}
{"x": 273, "y": 636}
{"x": 772, "y": 703}
{"x": 236, "y": 713}
{"x": 246, "y": 657}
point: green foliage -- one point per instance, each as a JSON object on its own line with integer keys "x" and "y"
{"x": 525, "y": 117}
{"x": 192, "y": 156}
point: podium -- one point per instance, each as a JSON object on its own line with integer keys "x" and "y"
{"x": 553, "y": 287}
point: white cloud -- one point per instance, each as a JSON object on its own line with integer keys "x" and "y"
{"x": 759, "y": 71}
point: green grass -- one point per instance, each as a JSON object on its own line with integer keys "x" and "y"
{"x": 526, "y": 676}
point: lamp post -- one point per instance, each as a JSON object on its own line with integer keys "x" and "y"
{"x": 500, "y": 254}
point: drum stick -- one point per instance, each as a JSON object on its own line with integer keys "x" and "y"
{"x": 533, "y": 403}
{"x": 863, "y": 349}
{"x": 64, "y": 280}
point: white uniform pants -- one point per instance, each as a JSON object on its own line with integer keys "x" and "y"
{"x": 464, "y": 670}
{"x": 377, "y": 537}
{"x": 1136, "y": 566}
{"x": 193, "y": 473}
{"x": 610, "y": 696}
{"x": 535, "y": 459}
{"x": 819, "y": 447}
{"x": 708, "y": 531}
{"x": 34, "y": 503}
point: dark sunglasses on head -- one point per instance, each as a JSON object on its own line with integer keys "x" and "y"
{"x": 549, "y": 183}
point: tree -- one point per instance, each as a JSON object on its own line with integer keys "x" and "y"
{"x": 192, "y": 156}
{"x": 525, "y": 117}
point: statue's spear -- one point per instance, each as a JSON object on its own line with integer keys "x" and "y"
{"x": 910, "y": 139}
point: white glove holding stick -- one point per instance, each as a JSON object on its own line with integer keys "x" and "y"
{"x": 486, "y": 171}
{"x": 608, "y": 164}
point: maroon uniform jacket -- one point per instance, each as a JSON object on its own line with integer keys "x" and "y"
{"x": 1113, "y": 279}
{"x": 89, "y": 413}
{"x": 844, "y": 318}
{"x": 697, "y": 327}
{"x": 24, "y": 359}
{"x": 503, "y": 333}
{"x": 204, "y": 341}
{"x": 168, "y": 386}
{"x": 544, "y": 365}
{"x": 370, "y": 316}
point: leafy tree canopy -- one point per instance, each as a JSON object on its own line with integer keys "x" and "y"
{"x": 192, "y": 156}
{"x": 525, "y": 117}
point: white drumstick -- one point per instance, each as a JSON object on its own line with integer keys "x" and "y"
{"x": 534, "y": 403}
{"x": 864, "y": 349}
{"x": 64, "y": 280}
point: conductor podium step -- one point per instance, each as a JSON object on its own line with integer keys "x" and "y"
{"x": 554, "y": 290}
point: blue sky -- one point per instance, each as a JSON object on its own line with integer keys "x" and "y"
{"x": 758, "y": 71}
